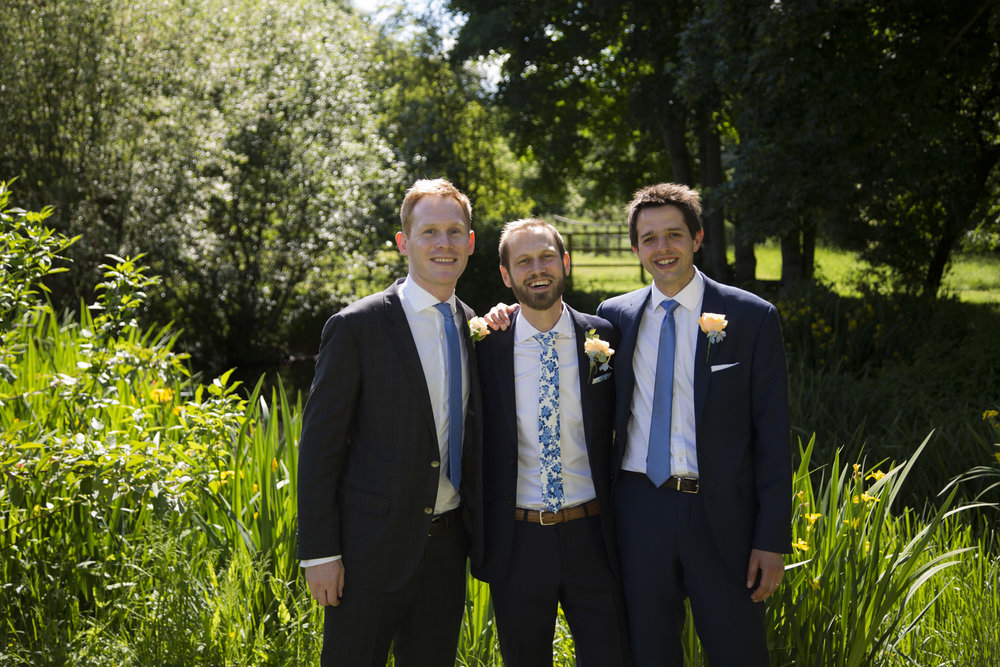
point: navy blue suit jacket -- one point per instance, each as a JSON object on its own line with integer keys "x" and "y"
{"x": 368, "y": 453}
{"x": 495, "y": 355}
{"x": 741, "y": 413}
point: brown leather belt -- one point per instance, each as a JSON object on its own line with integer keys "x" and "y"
{"x": 547, "y": 518}
{"x": 441, "y": 522}
{"x": 685, "y": 484}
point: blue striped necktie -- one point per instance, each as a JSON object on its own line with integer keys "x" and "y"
{"x": 658, "y": 455}
{"x": 455, "y": 417}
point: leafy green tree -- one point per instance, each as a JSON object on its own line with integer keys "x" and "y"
{"x": 439, "y": 117}
{"x": 233, "y": 142}
{"x": 285, "y": 156}
{"x": 594, "y": 94}
{"x": 873, "y": 124}
{"x": 62, "y": 89}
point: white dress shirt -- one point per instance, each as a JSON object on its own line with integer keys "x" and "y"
{"x": 578, "y": 486}
{"x": 427, "y": 327}
{"x": 683, "y": 430}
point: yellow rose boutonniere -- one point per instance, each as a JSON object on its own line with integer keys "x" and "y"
{"x": 478, "y": 329}
{"x": 713, "y": 324}
{"x": 598, "y": 350}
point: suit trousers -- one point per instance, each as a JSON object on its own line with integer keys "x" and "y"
{"x": 667, "y": 553}
{"x": 421, "y": 621}
{"x": 567, "y": 564}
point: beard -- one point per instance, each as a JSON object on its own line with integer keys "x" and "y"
{"x": 540, "y": 300}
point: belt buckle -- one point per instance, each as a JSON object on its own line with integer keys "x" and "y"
{"x": 541, "y": 517}
{"x": 680, "y": 482}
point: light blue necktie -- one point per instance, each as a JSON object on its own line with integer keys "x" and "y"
{"x": 658, "y": 455}
{"x": 550, "y": 456}
{"x": 455, "y": 416}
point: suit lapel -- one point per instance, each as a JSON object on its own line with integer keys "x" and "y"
{"x": 470, "y": 349}
{"x": 583, "y": 365}
{"x": 712, "y": 302}
{"x": 631, "y": 317}
{"x": 504, "y": 370}
{"x": 406, "y": 352}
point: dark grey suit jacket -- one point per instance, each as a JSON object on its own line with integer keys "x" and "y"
{"x": 368, "y": 453}
{"x": 741, "y": 416}
{"x": 496, "y": 371}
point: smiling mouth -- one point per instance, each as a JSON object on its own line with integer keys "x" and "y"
{"x": 539, "y": 284}
{"x": 444, "y": 260}
{"x": 665, "y": 263}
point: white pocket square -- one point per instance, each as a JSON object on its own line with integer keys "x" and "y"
{"x": 600, "y": 378}
{"x": 722, "y": 367}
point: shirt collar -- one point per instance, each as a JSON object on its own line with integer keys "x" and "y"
{"x": 689, "y": 297}
{"x": 420, "y": 298}
{"x": 524, "y": 331}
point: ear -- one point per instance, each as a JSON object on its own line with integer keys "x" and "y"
{"x": 472, "y": 241}
{"x": 401, "y": 242}
{"x": 566, "y": 264}
{"x": 698, "y": 239}
{"x": 505, "y": 276}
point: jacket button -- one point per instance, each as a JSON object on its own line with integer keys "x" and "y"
{"x": 428, "y": 510}
{"x": 435, "y": 464}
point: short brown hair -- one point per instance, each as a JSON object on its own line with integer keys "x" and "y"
{"x": 516, "y": 226}
{"x": 665, "y": 194}
{"x": 437, "y": 187}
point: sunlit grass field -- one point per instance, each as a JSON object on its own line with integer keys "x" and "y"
{"x": 974, "y": 278}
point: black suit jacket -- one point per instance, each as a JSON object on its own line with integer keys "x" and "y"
{"x": 495, "y": 355}
{"x": 741, "y": 416}
{"x": 368, "y": 453}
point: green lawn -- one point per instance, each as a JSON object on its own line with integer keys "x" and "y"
{"x": 974, "y": 278}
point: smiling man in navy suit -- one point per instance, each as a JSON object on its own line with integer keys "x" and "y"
{"x": 702, "y": 448}
{"x": 388, "y": 453}
{"x": 548, "y": 413}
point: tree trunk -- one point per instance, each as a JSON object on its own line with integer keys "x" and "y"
{"x": 961, "y": 207}
{"x": 675, "y": 140}
{"x": 791, "y": 262}
{"x": 957, "y": 214}
{"x": 746, "y": 260}
{"x": 714, "y": 245}
{"x": 809, "y": 252}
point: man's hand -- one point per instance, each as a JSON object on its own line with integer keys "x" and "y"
{"x": 326, "y": 582}
{"x": 771, "y": 567}
{"x": 499, "y": 316}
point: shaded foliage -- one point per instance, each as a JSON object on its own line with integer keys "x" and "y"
{"x": 234, "y": 142}
{"x": 441, "y": 122}
{"x": 871, "y": 124}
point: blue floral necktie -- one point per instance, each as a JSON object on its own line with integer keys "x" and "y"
{"x": 548, "y": 423}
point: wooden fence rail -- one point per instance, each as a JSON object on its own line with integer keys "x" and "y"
{"x": 599, "y": 238}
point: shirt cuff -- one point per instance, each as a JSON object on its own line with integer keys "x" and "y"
{"x": 310, "y": 562}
